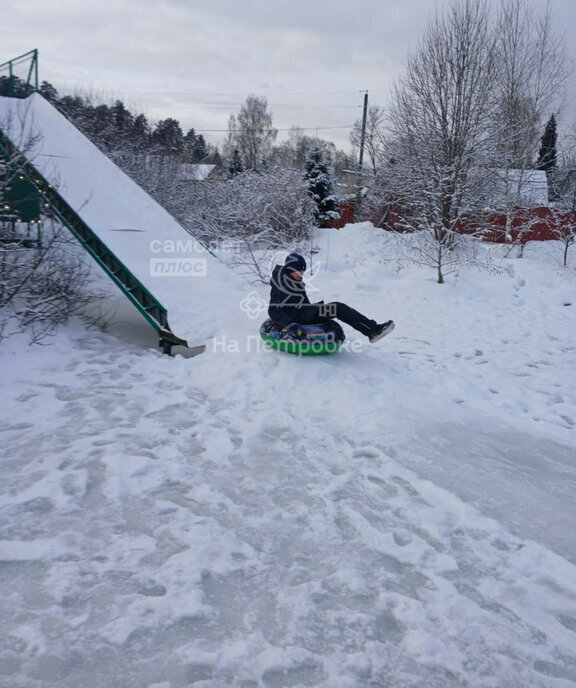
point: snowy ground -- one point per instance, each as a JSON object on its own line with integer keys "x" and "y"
{"x": 398, "y": 515}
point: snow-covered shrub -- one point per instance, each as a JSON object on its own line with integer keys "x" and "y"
{"x": 252, "y": 211}
{"x": 41, "y": 286}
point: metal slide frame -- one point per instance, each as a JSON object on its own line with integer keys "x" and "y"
{"x": 144, "y": 301}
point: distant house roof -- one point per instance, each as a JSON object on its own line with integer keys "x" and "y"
{"x": 527, "y": 188}
{"x": 192, "y": 172}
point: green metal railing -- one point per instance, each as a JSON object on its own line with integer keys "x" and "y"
{"x": 19, "y": 77}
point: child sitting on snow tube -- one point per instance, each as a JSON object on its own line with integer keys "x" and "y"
{"x": 289, "y": 303}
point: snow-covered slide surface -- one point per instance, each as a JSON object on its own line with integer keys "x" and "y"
{"x": 185, "y": 278}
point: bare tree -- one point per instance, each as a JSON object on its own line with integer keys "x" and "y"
{"x": 251, "y": 132}
{"x": 294, "y": 152}
{"x": 564, "y": 228}
{"x": 531, "y": 69}
{"x": 374, "y": 136}
{"x": 439, "y": 117}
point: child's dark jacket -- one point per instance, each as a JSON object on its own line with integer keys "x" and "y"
{"x": 287, "y": 296}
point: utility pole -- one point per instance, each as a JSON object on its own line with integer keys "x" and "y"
{"x": 361, "y": 160}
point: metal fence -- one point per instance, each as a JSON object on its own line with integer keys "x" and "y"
{"x": 19, "y": 77}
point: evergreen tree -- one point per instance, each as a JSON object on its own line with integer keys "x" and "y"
{"x": 189, "y": 145}
{"x": 214, "y": 157}
{"x": 199, "y": 149}
{"x": 14, "y": 87}
{"x": 73, "y": 108}
{"x": 140, "y": 132}
{"x": 168, "y": 136}
{"x": 48, "y": 91}
{"x": 548, "y": 155}
{"x": 100, "y": 127}
{"x": 122, "y": 118}
{"x": 236, "y": 166}
{"x": 321, "y": 187}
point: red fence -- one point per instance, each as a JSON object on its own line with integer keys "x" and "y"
{"x": 528, "y": 224}
{"x": 346, "y": 209}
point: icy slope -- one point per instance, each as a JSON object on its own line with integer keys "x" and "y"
{"x": 251, "y": 519}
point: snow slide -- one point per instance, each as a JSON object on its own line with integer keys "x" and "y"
{"x": 159, "y": 252}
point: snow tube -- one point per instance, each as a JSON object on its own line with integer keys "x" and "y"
{"x": 304, "y": 340}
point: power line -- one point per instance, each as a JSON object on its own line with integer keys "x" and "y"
{"x": 217, "y": 106}
{"x": 343, "y": 126}
{"x": 252, "y": 93}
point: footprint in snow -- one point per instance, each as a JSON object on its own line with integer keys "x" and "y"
{"x": 366, "y": 453}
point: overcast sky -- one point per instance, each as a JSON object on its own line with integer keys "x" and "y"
{"x": 197, "y": 60}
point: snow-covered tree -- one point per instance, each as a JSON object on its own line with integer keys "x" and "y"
{"x": 141, "y": 133}
{"x": 252, "y": 132}
{"x": 122, "y": 121}
{"x": 438, "y": 120}
{"x": 168, "y": 136}
{"x": 295, "y": 151}
{"x": 466, "y": 112}
{"x": 530, "y": 73}
{"x": 15, "y": 87}
{"x": 564, "y": 228}
{"x": 199, "y": 149}
{"x": 195, "y": 147}
{"x": 236, "y": 166}
{"x": 48, "y": 92}
{"x": 321, "y": 187}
